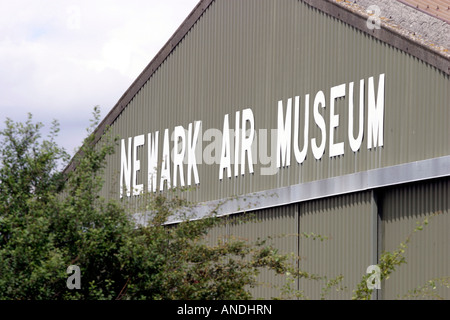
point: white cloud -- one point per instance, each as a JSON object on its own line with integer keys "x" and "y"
{"x": 59, "y": 59}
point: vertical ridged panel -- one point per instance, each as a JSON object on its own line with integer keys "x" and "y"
{"x": 427, "y": 255}
{"x": 345, "y": 221}
{"x": 279, "y": 227}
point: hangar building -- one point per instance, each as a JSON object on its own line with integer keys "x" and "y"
{"x": 327, "y": 116}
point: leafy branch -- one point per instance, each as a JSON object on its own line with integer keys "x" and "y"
{"x": 388, "y": 262}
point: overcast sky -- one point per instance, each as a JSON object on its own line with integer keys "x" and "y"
{"x": 59, "y": 59}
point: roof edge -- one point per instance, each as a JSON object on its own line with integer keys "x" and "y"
{"x": 146, "y": 74}
{"x": 339, "y": 10}
{"x": 389, "y": 33}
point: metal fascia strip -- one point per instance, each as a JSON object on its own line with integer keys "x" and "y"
{"x": 355, "y": 182}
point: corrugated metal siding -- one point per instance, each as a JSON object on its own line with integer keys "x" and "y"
{"x": 428, "y": 253}
{"x": 346, "y": 221}
{"x": 279, "y": 226}
{"x": 253, "y": 53}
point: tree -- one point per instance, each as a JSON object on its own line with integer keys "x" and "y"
{"x": 49, "y": 221}
{"x": 30, "y": 261}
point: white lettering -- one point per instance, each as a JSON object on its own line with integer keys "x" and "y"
{"x": 138, "y": 141}
{"x": 247, "y": 116}
{"x": 236, "y": 145}
{"x": 165, "y": 170}
{"x": 178, "y": 157}
{"x": 284, "y": 135}
{"x": 152, "y": 160}
{"x": 319, "y": 150}
{"x": 192, "y": 160}
{"x": 376, "y": 114}
{"x": 300, "y": 156}
{"x": 125, "y": 167}
{"x": 225, "y": 158}
{"x": 355, "y": 144}
{"x": 188, "y": 145}
{"x": 336, "y": 149}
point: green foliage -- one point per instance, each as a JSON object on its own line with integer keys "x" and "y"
{"x": 29, "y": 179}
{"x": 49, "y": 221}
{"x": 388, "y": 263}
{"x": 428, "y": 290}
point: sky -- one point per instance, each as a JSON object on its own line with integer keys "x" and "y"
{"x": 59, "y": 59}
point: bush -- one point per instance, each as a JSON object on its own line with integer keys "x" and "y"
{"x": 49, "y": 221}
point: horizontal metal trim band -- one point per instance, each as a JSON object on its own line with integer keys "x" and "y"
{"x": 356, "y": 182}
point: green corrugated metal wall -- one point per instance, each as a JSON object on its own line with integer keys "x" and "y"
{"x": 428, "y": 253}
{"x": 347, "y": 222}
{"x": 344, "y": 222}
{"x": 253, "y": 53}
{"x": 280, "y": 224}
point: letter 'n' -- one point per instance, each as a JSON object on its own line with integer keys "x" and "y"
{"x": 125, "y": 167}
